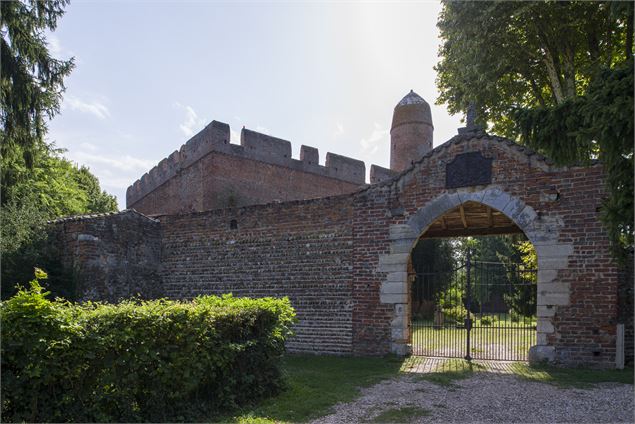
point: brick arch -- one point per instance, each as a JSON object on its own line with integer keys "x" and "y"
{"x": 542, "y": 232}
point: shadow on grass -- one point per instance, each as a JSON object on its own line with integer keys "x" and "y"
{"x": 315, "y": 384}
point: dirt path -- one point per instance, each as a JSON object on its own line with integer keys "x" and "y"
{"x": 486, "y": 397}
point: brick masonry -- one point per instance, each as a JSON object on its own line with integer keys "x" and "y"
{"x": 344, "y": 260}
{"x": 113, "y": 256}
{"x": 208, "y": 173}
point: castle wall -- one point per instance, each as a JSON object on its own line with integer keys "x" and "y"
{"x": 343, "y": 260}
{"x": 112, "y": 256}
{"x": 300, "y": 249}
{"x": 208, "y": 173}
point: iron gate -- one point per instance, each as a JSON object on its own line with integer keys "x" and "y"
{"x": 480, "y": 310}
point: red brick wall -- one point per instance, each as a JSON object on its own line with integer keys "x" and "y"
{"x": 219, "y": 180}
{"x": 298, "y": 249}
{"x": 324, "y": 253}
{"x": 584, "y": 330}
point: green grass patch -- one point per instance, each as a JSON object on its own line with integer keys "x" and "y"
{"x": 400, "y": 415}
{"x": 572, "y": 377}
{"x": 315, "y": 384}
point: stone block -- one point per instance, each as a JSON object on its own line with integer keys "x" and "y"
{"x": 395, "y": 262}
{"x": 401, "y": 232}
{"x": 554, "y": 250}
{"x": 548, "y": 288}
{"x": 496, "y": 198}
{"x": 553, "y": 262}
{"x": 400, "y": 349}
{"x": 401, "y": 310}
{"x": 401, "y": 246}
{"x": 393, "y": 298}
{"x": 545, "y": 311}
{"x": 431, "y": 211}
{"x": 556, "y": 299}
{"x": 397, "y": 277}
{"x": 540, "y": 354}
{"x": 544, "y": 325}
{"x": 546, "y": 275}
{"x": 398, "y": 333}
{"x": 389, "y": 287}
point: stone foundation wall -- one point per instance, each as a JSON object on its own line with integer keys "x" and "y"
{"x": 113, "y": 256}
{"x": 301, "y": 249}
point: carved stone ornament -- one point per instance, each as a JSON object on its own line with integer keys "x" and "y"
{"x": 468, "y": 169}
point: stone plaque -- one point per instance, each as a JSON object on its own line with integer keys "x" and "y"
{"x": 468, "y": 169}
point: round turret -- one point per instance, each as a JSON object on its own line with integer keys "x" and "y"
{"x": 411, "y": 131}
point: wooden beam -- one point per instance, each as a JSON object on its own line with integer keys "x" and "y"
{"x": 443, "y": 223}
{"x": 472, "y": 232}
{"x": 490, "y": 218}
{"x": 463, "y": 216}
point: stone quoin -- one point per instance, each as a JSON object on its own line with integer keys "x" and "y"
{"x": 249, "y": 219}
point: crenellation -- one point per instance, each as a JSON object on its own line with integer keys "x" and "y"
{"x": 379, "y": 174}
{"x": 309, "y": 155}
{"x": 270, "y": 148}
{"x": 347, "y": 168}
{"x": 254, "y": 146}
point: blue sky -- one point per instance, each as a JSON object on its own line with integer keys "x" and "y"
{"x": 149, "y": 75}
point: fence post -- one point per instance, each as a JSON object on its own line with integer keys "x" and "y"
{"x": 468, "y": 321}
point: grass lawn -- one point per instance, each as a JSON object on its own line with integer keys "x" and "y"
{"x": 502, "y": 339}
{"x": 316, "y": 383}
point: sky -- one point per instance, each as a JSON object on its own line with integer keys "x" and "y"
{"x": 149, "y": 75}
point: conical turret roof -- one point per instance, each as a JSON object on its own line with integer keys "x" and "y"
{"x": 412, "y": 109}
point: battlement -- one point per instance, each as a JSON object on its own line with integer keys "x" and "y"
{"x": 253, "y": 146}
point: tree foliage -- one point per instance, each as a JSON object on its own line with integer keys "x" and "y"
{"x": 500, "y": 55}
{"x": 556, "y": 75}
{"x": 31, "y": 81}
{"x": 37, "y": 184}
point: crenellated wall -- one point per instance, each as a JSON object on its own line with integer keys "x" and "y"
{"x": 343, "y": 260}
{"x": 208, "y": 172}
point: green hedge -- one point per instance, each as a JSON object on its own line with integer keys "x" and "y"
{"x": 138, "y": 360}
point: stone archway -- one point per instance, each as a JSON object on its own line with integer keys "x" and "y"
{"x": 542, "y": 232}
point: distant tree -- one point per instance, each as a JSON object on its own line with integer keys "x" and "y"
{"x": 31, "y": 82}
{"x": 556, "y": 75}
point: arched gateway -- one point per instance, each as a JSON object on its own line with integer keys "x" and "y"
{"x": 343, "y": 260}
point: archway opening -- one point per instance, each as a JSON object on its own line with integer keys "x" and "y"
{"x": 473, "y": 287}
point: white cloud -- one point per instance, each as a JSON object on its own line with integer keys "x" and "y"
{"x": 55, "y": 47}
{"x": 339, "y": 130}
{"x": 193, "y": 123}
{"x": 120, "y": 163}
{"x": 94, "y": 108}
{"x": 234, "y": 136}
{"x": 371, "y": 144}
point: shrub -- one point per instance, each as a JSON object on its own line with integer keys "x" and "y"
{"x": 154, "y": 360}
{"x": 451, "y": 302}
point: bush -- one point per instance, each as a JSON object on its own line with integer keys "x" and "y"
{"x": 451, "y": 302}
{"x": 154, "y": 361}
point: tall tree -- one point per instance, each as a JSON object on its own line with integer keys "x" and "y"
{"x": 556, "y": 75}
{"x": 31, "y": 82}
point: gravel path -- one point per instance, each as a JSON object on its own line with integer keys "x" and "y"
{"x": 491, "y": 398}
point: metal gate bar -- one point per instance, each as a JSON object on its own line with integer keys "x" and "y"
{"x": 480, "y": 310}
